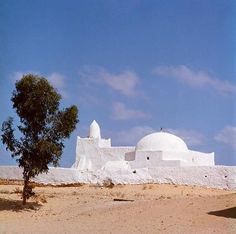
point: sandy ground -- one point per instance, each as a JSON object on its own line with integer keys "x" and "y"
{"x": 92, "y": 209}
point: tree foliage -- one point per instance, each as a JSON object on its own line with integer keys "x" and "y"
{"x": 43, "y": 127}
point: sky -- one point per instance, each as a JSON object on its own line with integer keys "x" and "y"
{"x": 134, "y": 66}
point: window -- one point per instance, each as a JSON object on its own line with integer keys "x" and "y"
{"x": 147, "y": 158}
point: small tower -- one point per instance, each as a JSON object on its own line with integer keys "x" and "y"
{"x": 94, "y": 131}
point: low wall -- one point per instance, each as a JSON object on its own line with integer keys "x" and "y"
{"x": 215, "y": 176}
{"x": 222, "y": 177}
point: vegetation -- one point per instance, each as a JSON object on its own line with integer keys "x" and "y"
{"x": 43, "y": 127}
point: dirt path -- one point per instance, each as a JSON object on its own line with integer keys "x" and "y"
{"x": 89, "y": 209}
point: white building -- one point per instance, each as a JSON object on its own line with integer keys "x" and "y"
{"x": 157, "y": 158}
{"x": 160, "y": 149}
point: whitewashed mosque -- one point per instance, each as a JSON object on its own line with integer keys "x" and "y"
{"x": 160, "y": 149}
{"x": 160, "y": 157}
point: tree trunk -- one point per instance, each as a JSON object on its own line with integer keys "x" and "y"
{"x": 25, "y": 189}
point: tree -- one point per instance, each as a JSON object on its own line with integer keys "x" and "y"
{"x": 43, "y": 128}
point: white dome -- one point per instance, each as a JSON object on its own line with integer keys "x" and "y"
{"x": 161, "y": 141}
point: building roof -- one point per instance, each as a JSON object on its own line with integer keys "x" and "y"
{"x": 161, "y": 141}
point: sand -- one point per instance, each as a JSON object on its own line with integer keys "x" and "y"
{"x": 150, "y": 208}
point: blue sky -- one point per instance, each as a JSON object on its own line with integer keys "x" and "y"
{"x": 134, "y": 66}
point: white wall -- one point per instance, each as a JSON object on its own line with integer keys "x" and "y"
{"x": 215, "y": 176}
{"x": 191, "y": 158}
{"x": 93, "y": 153}
{"x": 201, "y": 159}
{"x": 152, "y": 159}
{"x": 222, "y": 177}
{"x": 91, "y": 156}
{"x": 169, "y": 158}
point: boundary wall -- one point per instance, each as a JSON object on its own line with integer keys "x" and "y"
{"x": 221, "y": 177}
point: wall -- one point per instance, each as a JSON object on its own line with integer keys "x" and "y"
{"x": 169, "y": 158}
{"x": 222, "y": 177}
{"x": 91, "y": 156}
{"x": 191, "y": 158}
{"x": 215, "y": 176}
{"x": 151, "y": 159}
{"x": 201, "y": 159}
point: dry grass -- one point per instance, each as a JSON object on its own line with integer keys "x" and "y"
{"x": 17, "y": 190}
{"x": 108, "y": 183}
{"x": 147, "y": 186}
{"x": 117, "y": 194}
{"x": 11, "y": 182}
{"x": 35, "y": 184}
{"x": 3, "y": 191}
{"x": 138, "y": 195}
{"x": 39, "y": 198}
{"x": 144, "y": 187}
{"x": 150, "y": 186}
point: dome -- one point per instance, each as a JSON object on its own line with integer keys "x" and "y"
{"x": 161, "y": 141}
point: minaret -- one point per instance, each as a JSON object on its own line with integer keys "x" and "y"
{"x": 94, "y": 131}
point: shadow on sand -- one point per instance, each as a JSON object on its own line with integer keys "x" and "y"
{"x": 227, "y": 213}
{"x": 16, "y": 205}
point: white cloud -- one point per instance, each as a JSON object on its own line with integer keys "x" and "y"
{"x": 131, "y": 136}
{"x": 195, "y": 78}
{"x": 121, "y": 112}
{"x": 16, "y": 76}
{"x": 19, "y": 74}
{"x": 56, "y": 79}
{"x": 227, "y": 136}
{"x": 192, "y": 138}
{"x": 124, "y": 82}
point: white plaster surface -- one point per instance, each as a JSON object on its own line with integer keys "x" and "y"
{"x": 160, "y": 149}
{"x": 93, "y": 153}
{"x": 222, "y": 177}
{"x": 161, "y": 141}
{"x": 158, "y": 158}
{"x": 94, "y": 131}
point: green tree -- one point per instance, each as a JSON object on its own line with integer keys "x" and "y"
{"x": 43, "y": 127}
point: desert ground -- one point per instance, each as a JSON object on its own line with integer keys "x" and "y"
{"x": 148, "y": 208}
